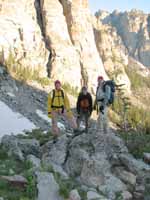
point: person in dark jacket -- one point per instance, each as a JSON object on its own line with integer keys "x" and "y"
{"x": 84, "y": 107}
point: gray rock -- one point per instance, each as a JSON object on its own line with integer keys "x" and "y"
{"x": 60, "y": 170}
{"x": 20, "y": 147}
{"x": 138, "y": 196}
{"x": 55, "y": 153}
{"x": 75, "y": 161}
{"x": 94, "y": 170}
{"x": 36, "y": 162}
{"x": 116, "y": 144}
{"x": 1, "y": 198}
{"x": 11, "y": 172}
{"x": 1, "y": 70}
{"x": 127, "y": 177}
{"x": 127, "y": 195}
{"x": 10, "y": 143}
{"x": 47, "y": 187}
{"x": 135, "y": 166}
{"x": 74, "y": 195}
{"x": 112, "y": 186}
{"x": 16, "y": 180}
{"x": 146, "y": 158}
{"x": 91, "y": 195}
{"x": 29, "y": 146}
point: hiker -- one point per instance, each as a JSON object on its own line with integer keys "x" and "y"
{"x": 58, "y": 105}
{"x": 84, "y": 107}
{"x": 104, "y": 97}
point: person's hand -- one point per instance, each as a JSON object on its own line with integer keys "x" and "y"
{"x": 49, "y": 114}
{"x": 94, "y": 107}
{"x": 69, "y": 113}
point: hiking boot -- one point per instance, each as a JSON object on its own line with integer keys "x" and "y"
{"x": 86, "y": 130}
{"x": 55, "y": 139}
{"x": 75, "y": 130}
{"x": 76, "y": 133}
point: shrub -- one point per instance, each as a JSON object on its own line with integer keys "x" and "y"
{"x": 10, "y": 166}
{"x": 38, "y": 135}
{"x": 137, "y": 142}
{"x": 24, "y": 73}
{"x": 71, "y": 90}
{"x": 137, "y": 80}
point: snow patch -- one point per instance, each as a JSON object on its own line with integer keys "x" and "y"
{"x": 12, "y": 122}
{"x": 46, "y": 118}
{"x": 10, "y": 94}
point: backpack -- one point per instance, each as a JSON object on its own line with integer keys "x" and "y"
{"x": 111, "y": 84}
{"x": 53, "y": 96}
{"x": 84, "y": 104}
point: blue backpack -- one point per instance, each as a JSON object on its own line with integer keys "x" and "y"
{"x": 111, "y": 84}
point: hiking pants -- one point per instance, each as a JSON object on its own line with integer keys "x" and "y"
{"x": 102, "y": 121}
{"x": 67, "y": 115}
{"x": 84, "y": 115}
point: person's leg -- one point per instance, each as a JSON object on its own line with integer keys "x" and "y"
{"x": 100, "y": 119}
{"x": 78, "y": 121}
{"x": 86, "y": 117}
{"x": 105, "y": 120}
{"x": 100, "y": 122}
{"x": 55, "y": 129}
{"x": 69, "y": 116}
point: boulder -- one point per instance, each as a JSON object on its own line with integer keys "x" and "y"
{"x": 55, "y": 153}
{"x": 36, "y": 162}
{"x": 47, "y": 187}
{"x": 74, "y": 195}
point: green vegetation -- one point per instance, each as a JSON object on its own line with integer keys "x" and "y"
{"x": 65, "y": 185}
{"x": 119, "y": 196}
{"x": 137, "y": 80}
{"x": 137, "y": 142}
{"x": 132, "y": 117}
{"x": 31, "y": 190}
{"x": 147, "y": 188}
{"x": 38, "y": 135}
{"x": 133, "y": 123}
{"x": 24, "y": 73}
{"x": 11, "y": 166}
{"x": 69, "y": 89}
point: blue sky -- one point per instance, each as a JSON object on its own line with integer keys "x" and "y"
{"x": 121, "y": 5}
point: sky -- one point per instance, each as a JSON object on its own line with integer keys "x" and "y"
{"x": 121, "y": 5}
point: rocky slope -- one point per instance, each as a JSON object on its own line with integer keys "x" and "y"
{"x": 134, "y": 29}
{"x": 99, "y": 166}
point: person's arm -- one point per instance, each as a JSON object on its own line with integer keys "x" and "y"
{"x": 78, "y": 104}
{"x": 49, "y": 101}
{"x": 90, "y": 102}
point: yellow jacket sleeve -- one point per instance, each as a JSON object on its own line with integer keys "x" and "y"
{"x": 49, "y": 101}
{"x": 66, "y": 103}
{"x": 67, "y": 106}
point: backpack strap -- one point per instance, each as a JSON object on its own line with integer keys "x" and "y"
{"x": 53, "y": 96}
{"x": 62, "y": 94}
{"x": 104, "y": 86}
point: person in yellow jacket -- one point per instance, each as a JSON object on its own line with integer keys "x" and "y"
{"x": 58, "y": 104}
